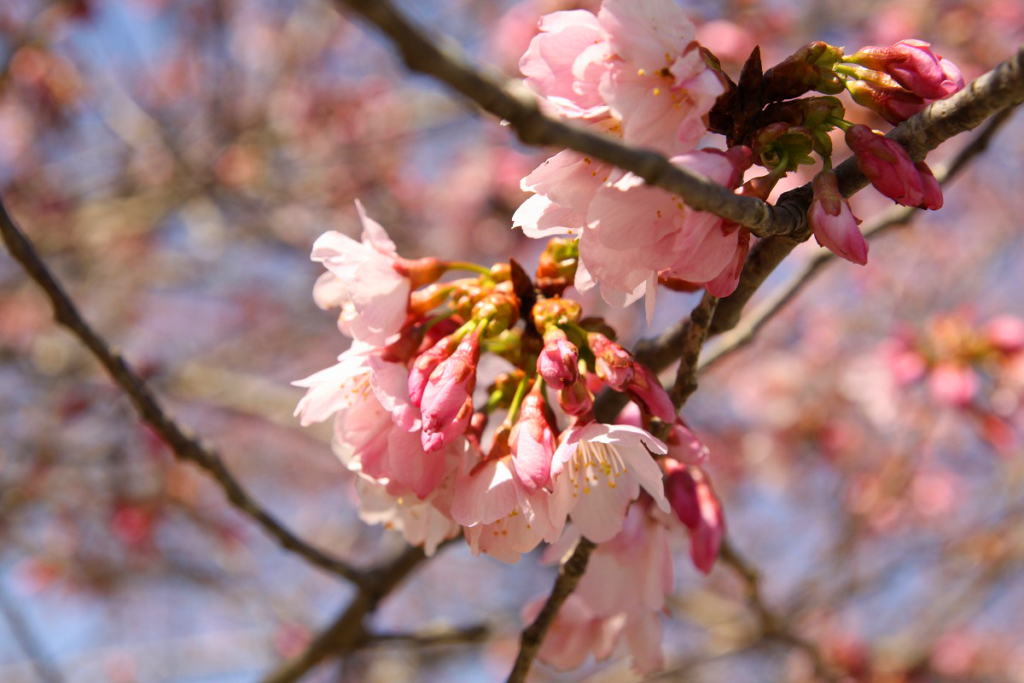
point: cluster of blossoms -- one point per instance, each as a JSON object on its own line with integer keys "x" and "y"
{"x": 977, "y": 370}
{"x": 407, "y": 421}
{"x": 635, "y": 71}
{"x": 528, "y": 461}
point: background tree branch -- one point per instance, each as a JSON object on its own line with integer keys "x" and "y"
{"x": 184, "y": 446}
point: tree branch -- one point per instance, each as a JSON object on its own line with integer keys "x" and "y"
{"x": 184, "y": 446}
{"x": 348, "y": 631}
{"x": 44, "y": 669}
{"x": 569, "y": 576}
{"x": 693, "y": 342}
{"x": 749, "y": 325}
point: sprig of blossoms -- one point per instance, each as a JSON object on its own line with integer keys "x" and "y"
{"x": 635, "y": 71}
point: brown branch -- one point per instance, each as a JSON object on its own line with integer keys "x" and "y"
{"x": 995, "y": 91}
{"x": 749, "y": 325}
{"x": 693, "y": 342}
{"x": 448, "y": 636}
{"x": 348, "y": 631}
{"x": 184, "y": 446}
{"x": 569, "y": 576}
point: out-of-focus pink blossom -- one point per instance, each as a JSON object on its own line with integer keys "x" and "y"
{"x": 833, "y": 224}
{"x": 1006, "y": 333}
{"x": 557, "y": 363}
{"x": 447, "y": 403}
{"x": 597, "y": 470}
{"x": 953, "y": 384}
{"x": 913, "y": 65}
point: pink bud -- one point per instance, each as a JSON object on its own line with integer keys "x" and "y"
{"x": 1006, "y": 333}
{"x": 557, "y": 363}
{"x": 681, "y": 491}
{"x": 887, "y": 165}
{"x": 706, "y": 538}
{"x": 932, "y": 190}
{"x": 447, "y": 403}
{"x": 612, "y": 362}
{"x": 833, "y": 224}
{"x": 894, "y": 104}
{"x": 425, "y": 364}
{"x": 576, "y": 400}
{"x": 646, "y": 390}
{"x": 533, "y": 442}
{"x": 683, "y": 445}
{"x": 913, "y": 65}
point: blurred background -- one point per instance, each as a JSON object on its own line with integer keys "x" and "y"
{"x": 175, "y": 160}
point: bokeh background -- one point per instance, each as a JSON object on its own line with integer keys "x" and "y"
{"x": 175, "y": 159}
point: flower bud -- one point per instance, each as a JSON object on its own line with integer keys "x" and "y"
{"x": 576, "y": 400}
{"x": 782, "y": 140}
{"x": 420, "y": 272}
{"x": 447, "y": 401}
{"x": 425, "y": 364}
{"x": 889, "y": 168}
{"x": 809, "y": 68}
{"x": 558, "y": 363}
{"x": 501, "y": 308}
{"x": 647, "y": 392}
{"x": 833, "y": 224}
{"x": 612, "y": 362}
{"x": 683, "y": 445}
{"x": 549, "y": 313}
{"x": 533, "y": 442}
{"x": 913, "y": 65}
{"x": 932, "y": 190}
{"x": 556, "y": 268}
{"x": 884, "y": 97}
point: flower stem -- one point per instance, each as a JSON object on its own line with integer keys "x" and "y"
{"x": 466, "y": 265}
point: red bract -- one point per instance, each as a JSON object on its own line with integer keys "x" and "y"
{"x": 891, "y": 171}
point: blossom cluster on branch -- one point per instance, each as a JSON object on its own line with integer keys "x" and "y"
{"x": 527, "y": 461}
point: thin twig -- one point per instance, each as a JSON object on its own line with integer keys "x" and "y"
{"x": 750, "y": 324}
{"x": 184, "y": 446}
{"x": 44, "y": 669}
{"x": 569, "y": 576}
{"x": 348, "y": 631}
{"x": 449, "y": 636}
{"x": 693, "y": 342}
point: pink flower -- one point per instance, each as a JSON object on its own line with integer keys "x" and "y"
{"x": 363, "y": 279}
{"x": 953, "y": 384}
{"x": 533, "y": 442}
{"x": 913, "y": 65}
{"x": 447, "y": 403}
{"x": 557, "y": 363}
{"x": 565, "y": 61}
{"x": 597, "y": 470}
{"x": 643, "y": 231}
{"x": 615, "y": 608}
{"x": 1006, "y": 334}
{"x": 833, "y": 224}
